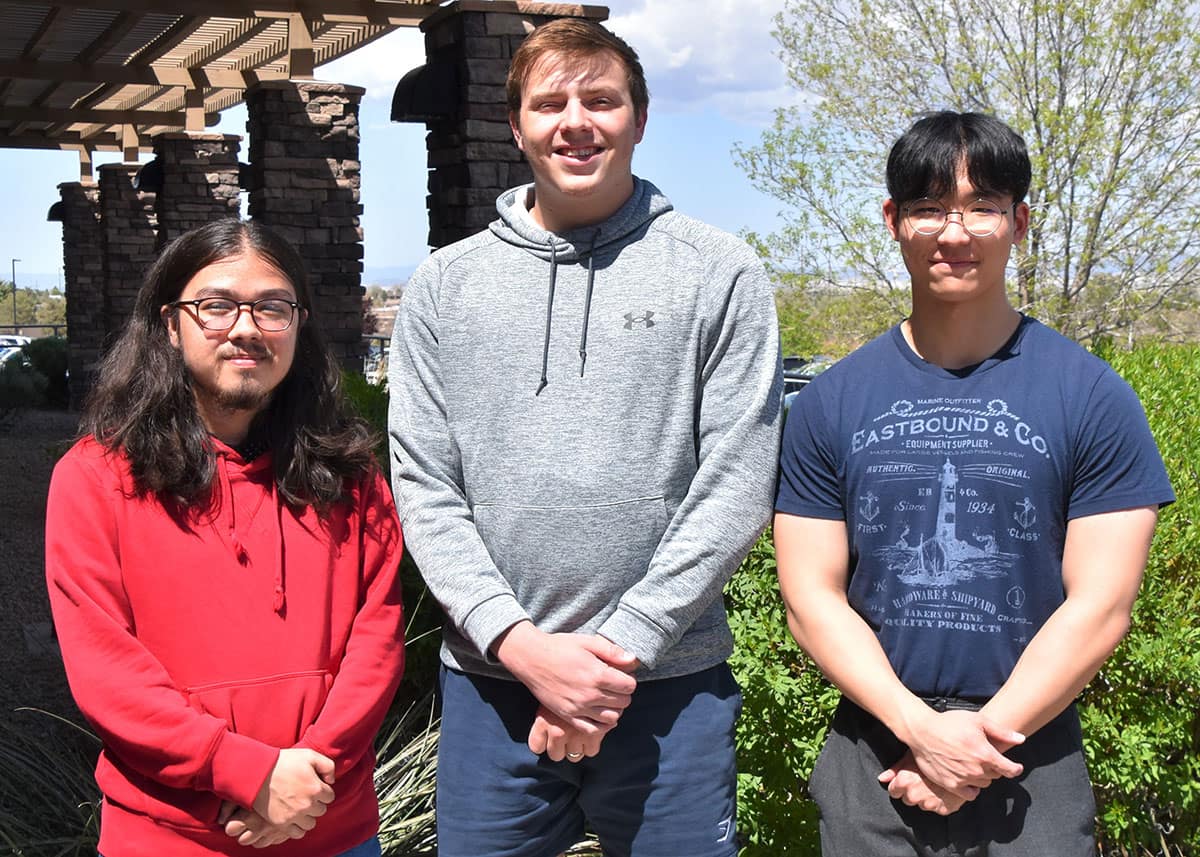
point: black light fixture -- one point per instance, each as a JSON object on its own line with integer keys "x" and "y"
{"x": 55, "y": 214}
{"x": 149, "y": 178}
{"x": 428, "y": 93}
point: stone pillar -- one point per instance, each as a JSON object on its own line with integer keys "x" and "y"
{"x": 199, "y": 181}
{"x": 304, "y": 183}
{"x": 472, "y": 156}
{"x": 128, "y": 227}
{"x": 83, "y": 267}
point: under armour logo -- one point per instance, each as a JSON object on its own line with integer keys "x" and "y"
{"x": 646, "y": 319}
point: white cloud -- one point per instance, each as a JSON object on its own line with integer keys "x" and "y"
{"x": 698, "y": 54}
{"x": 707, "y": 54}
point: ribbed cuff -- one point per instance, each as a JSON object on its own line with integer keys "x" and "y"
{"x": 635, "y": 634}
{"x": 240, "y": 766}
{"x": 489, "y": 620}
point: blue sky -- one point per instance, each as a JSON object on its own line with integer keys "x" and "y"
{"x": 714, "y": 81}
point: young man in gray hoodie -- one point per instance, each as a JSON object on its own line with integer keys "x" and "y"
{"x": 584, "y": 421}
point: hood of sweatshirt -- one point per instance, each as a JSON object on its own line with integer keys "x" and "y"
{"x": 517, "y": 227}
{"x": 582, "y": 245}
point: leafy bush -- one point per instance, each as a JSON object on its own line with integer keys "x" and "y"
{"x": 21, "y": 387}
{"x": 48, "y": 356}
{"x": 1141, "y": 723}
{"x": 787, "y": 704}
{"x": 370, "y": 401}
{"x": 425, "y": 616}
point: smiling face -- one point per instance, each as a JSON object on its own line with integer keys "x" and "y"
{"x": 234, "y": 371}
{"x": 577, "y": 126}
{"x": 954, "y": 266}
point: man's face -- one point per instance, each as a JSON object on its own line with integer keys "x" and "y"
{"x": 955, "y": 266}
{"x": 235, "y": 369}
{"x": 577, "y": 127}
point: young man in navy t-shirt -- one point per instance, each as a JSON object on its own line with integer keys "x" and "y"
{"x": 963, "y": 518}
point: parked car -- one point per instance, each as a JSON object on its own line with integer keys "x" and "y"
{"x": 798, "y": 371}
{"x": 13, "y": 354}
{"x": 10, "y": 340}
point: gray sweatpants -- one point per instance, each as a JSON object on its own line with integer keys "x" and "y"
{"x": 1048, "y": 810}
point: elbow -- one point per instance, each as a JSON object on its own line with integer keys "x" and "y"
{"x": 1119, "y": 625}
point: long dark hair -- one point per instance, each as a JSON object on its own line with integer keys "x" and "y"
{"x": 143, "y": 405}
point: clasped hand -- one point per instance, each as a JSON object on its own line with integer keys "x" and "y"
{"x": 952, "y": 756}
{"x": 297, "y": 793}
{"x": 583, "y": 683}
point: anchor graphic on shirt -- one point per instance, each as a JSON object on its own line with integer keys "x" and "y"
{"x": 868, "y": 506}
{"x": 1025, "y": 515}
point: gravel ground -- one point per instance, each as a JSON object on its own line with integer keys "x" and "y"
{"x": 29, "y": 661}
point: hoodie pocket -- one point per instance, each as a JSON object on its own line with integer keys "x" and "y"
{"x": 569, "y": 565}
{"x": 273, "y": 709}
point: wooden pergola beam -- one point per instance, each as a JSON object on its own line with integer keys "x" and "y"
{"x": 93, "y": 116}
{"x": 108, "y": 142}
{"x": 396, "y": 14}
{"x": 133, "y": 75}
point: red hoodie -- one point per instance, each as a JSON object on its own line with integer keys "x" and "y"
{"x": 200, "y": 646}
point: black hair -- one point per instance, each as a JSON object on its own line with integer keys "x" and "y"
{"x": 143, "y": 404}
{"x": 925, "y": 161}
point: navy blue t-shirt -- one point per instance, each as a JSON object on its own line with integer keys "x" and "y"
{"x": 956, "y": 488}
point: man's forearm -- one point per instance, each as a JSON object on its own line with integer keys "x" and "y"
{"x": 1103, "y": 559}
{"x": 1056, "y": 665}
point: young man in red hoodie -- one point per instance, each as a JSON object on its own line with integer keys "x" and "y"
{"x": 221, "y": 555}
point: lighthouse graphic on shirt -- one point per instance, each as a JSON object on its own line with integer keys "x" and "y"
{"x": 940, "y": 557}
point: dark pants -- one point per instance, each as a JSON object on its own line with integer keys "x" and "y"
{"x": 1048, "y": 811}
{"x": 663, "y": 785}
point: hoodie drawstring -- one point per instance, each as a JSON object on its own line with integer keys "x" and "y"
{"x": 587, "y": 310}
{"x": 549, "y": 314}
{"x": 279, "y": 596}
{"x": 239, "y": 550}
{"x": 587, "y": 302}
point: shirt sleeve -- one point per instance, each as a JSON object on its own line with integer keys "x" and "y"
{"x": 373, "y": 661}
{"x": 809, "y": 480}
{"x": 1117, "y": 464}
{"x": 120, "y": 687}
{"x": 427, "y": 475}
{"x": 728, "y": 502}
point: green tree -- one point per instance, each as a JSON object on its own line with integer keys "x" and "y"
{"x": 1104, "y": 95}
{"x": 34, "y": 307}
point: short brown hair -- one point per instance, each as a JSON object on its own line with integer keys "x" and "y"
{"x": 574, "y": 39}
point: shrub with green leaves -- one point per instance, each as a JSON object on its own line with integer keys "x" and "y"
{"x": 48, "y": 356}
{"x": 21, "y": 387}
{"x": 1140, "y": 718}
{"x": 1141, "y": 721}
{"x": 787, "y": 704}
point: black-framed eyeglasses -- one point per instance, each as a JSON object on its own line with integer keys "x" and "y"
{"x": 270, "y": 315}
{"x": 980, "y": 218}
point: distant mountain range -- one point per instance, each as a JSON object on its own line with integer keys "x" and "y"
{"x": 387, "y": 276}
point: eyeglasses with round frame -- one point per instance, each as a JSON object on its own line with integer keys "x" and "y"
{"x": 270, "y": 315}
{"x": 980, "y": 218}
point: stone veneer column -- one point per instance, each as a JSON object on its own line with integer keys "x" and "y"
{"x": 304, "y": 183}
{"x": 199, "y": 181}
{"x": 83, "y": 267}
{"x": 128, "y": 227}
{"x": 472, "y": 157}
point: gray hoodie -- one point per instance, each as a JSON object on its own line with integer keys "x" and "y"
{"x": 584, "y": 429}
